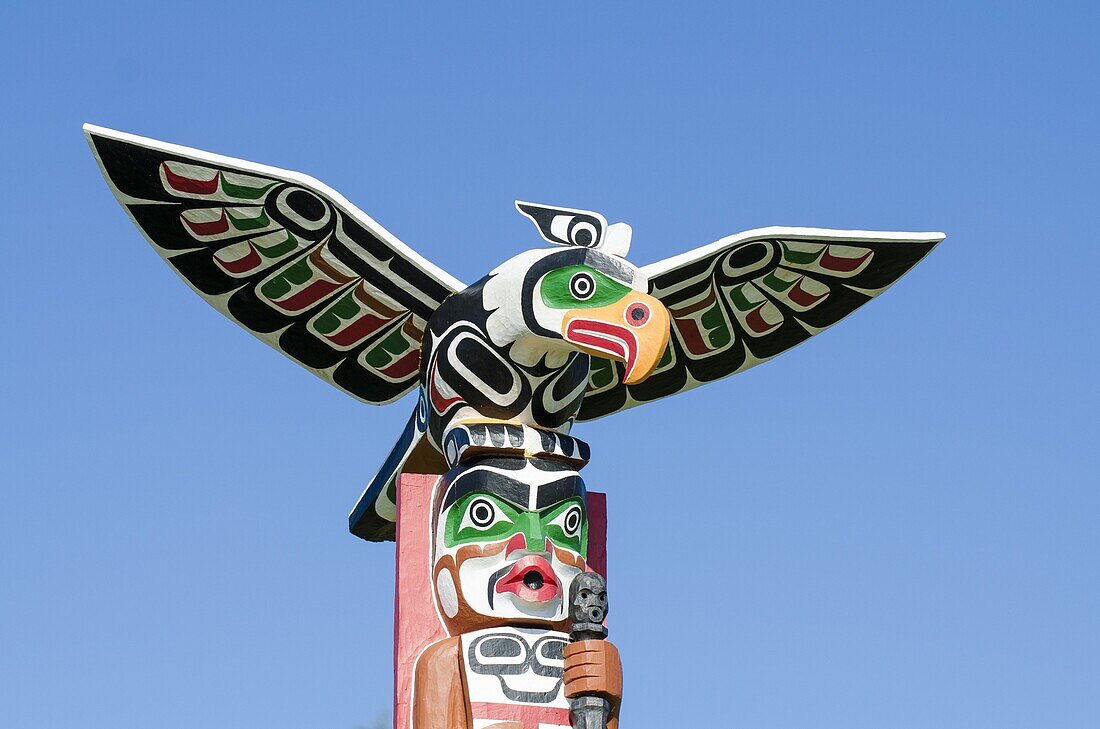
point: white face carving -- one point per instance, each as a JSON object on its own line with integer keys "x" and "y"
{"x": 510, "y": 542}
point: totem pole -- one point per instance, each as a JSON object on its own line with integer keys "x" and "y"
{"x": 496, "y": 532}
{"x": 509, "y": 535}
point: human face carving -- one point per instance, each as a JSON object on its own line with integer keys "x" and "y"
{"x": 510, "y": 537}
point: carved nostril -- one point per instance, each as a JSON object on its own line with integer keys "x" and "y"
{"x": 637, "y": 315}
{"x": 517, "y": 543}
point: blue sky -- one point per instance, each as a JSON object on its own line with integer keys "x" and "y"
{"x": 893, "y": 525}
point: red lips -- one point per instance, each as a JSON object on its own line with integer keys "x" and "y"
{"x": 531, "y": 579}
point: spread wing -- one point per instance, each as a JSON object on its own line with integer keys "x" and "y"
{"x": 749, "y": 297}
{"x": 284, "y": 256}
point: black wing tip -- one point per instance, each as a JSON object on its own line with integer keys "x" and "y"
{"x": 526, "y": 209}
{"x": 370, "y": 527}
{"x": 92, "y": 134}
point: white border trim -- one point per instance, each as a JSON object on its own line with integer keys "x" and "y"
{"x": 783, "y": 233}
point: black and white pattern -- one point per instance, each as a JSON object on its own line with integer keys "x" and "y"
{"x": 285, "y": 257}
{"x": 529, "y": 483}
{"x": 294, "y": 263}
{"x": 566, "y": 226}
{"x": 472, "y": 440}
{"x": 475, "y": 362}
{"x": 752, "y": 296}
{"x": 524, "y": 666}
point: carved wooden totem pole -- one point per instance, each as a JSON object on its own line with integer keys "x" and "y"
{"x": 500, "y": 609}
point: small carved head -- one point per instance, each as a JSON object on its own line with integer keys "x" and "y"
{"x": 588, "y": 598}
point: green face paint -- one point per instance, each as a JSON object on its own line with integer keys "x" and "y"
{"x": 580, "y": 287}
{"x": 566, "y": 524}
{"x": 482, "y": 517}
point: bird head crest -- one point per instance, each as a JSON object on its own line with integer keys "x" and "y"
{"x": 581, "y": 228}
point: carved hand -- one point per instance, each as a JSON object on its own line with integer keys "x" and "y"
{"x": 593, "y": 667}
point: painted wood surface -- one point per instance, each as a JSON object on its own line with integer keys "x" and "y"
{"x": 417, "y": 623}
{"x": 548, "y": 338}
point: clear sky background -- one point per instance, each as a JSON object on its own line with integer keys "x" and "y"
{"x": 892, "y": 525}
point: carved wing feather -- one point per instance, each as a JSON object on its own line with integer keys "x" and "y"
{"x": 284, "y": 256}
{"x": 751, "y": 296}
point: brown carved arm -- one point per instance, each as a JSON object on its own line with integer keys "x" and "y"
{"x": 439, "y": 695}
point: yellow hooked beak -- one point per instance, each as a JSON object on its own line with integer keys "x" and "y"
{"x": 633, "y": 330}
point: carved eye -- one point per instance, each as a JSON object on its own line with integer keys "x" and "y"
{"x": 570, "y": 521}
{"x": 582, "y": 286}
{"x": 583, "y": 233}
{"x": 571, "y": 524}
{"x": 482, "y": 514}
{"x": 576, "y": 229}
